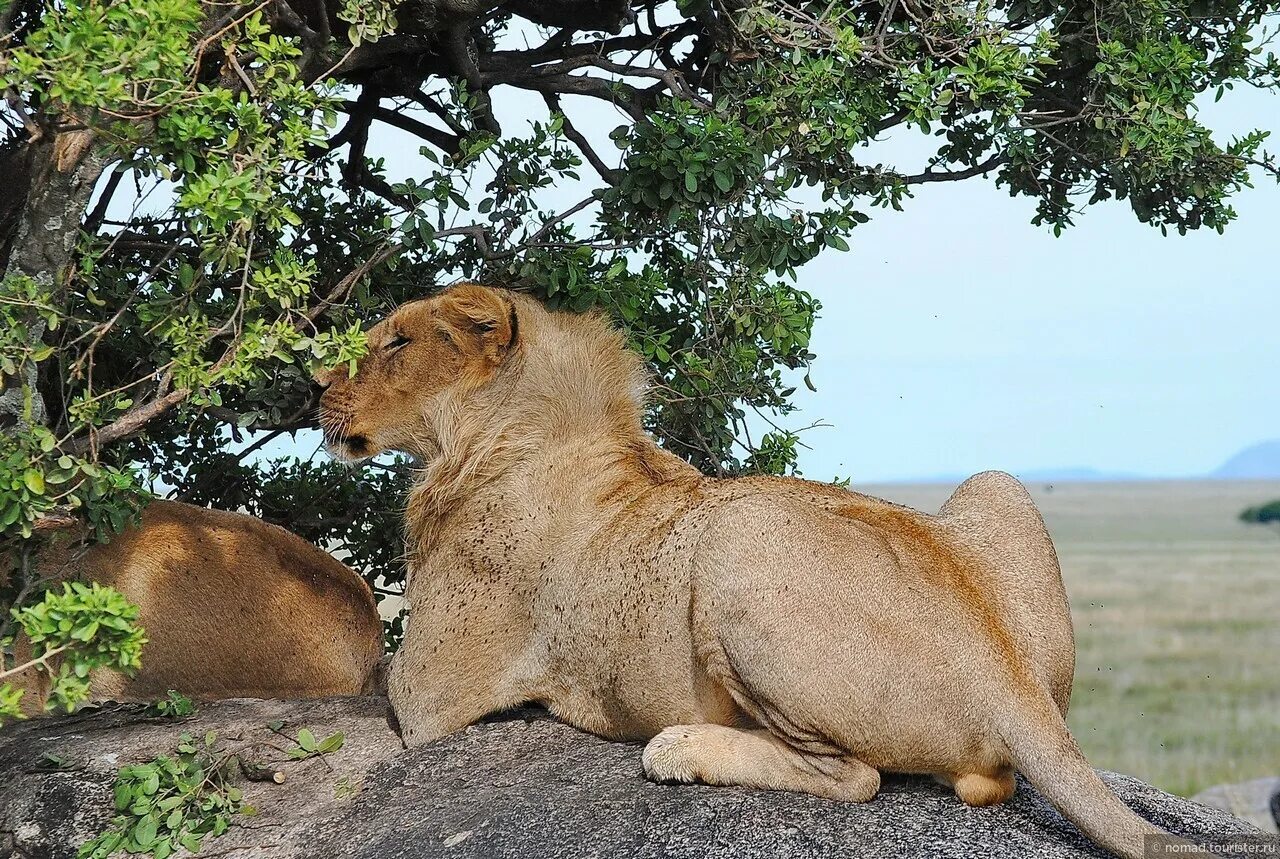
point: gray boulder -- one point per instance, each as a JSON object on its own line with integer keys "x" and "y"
{"x": 1256, "y": 801}
{"x": 519, "y": 786}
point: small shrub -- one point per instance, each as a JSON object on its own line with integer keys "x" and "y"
{"x": 174, "y": 706}
{"x": 1262, "y": 514}
{"x": 309, "y": 747}
{"x": 171, "y": 802}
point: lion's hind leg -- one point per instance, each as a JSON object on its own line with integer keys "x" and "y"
{"x": 715, "y": 754}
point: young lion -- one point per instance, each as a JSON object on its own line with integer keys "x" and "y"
{"x": 232, "y": 607}
{"x": 766, "y": 632}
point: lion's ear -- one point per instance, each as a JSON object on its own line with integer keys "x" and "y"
{"x": 480, "y": 319}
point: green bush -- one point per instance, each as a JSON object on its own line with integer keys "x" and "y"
{"x": 1262, "y": 514}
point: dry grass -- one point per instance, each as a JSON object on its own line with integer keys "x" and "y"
{"x": 1177, "y": 614}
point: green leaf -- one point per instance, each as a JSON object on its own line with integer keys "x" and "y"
{"x": 144, "y": 831}
{"x": 331, "y": 743}
{"x": 306, "y": 740}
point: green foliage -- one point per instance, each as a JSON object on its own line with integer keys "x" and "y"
{"x": 26, "y": 312}
{"x": 174, "y": 705}
{"x": 309, "y": 747}
{"x": 181, "y": 800}
{"x": 775, "y": 454}
{"x": 171, "y": 802}
{"x": 10, "y": 701}
{"x": 35, "y": 479}
{"x": 83, "y": 628}
{"x": 370, "y": 20}
{"x": 1262, "y": 514}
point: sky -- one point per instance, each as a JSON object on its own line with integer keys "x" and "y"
{"x": 956, "y": 337}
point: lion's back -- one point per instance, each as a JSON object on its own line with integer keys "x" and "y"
{"x": 234, "y": 607}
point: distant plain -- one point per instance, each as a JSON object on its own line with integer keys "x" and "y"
{"x": 1176, "y": 606}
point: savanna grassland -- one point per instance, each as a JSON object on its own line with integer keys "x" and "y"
{"x": 1177, "y": 614}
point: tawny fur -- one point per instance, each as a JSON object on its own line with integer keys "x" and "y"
{"x": 766, "y": 632}
{"x": 232, "y": 607}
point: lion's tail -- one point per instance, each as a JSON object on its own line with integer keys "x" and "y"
{"x": 1044, "y": 751}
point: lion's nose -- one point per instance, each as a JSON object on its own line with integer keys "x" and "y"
{"x": 317, "y": 389}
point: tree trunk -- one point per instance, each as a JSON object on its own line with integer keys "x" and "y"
{"x": 60, "y": 173}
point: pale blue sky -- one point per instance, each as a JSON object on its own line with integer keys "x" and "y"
{"x": 956, "y": 337}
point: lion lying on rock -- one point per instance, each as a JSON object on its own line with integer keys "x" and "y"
{"x": 766, "y": 632}
{"x": 232, "y": 606}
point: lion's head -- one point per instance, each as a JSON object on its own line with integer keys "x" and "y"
{"x": 450, "y": 343}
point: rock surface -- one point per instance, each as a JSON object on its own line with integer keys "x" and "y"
{"x": 1257, "y": 801}
{"x": 522, "y": 786}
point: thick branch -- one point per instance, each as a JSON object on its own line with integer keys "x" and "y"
{"x": 436, "y": 137}
{"x": 608, "y": 15}
{"x": 94, "y": 219}
{"x": 356, "y": 172}
{"x": 314, "y": 42}
{"x": 607, "y": 91}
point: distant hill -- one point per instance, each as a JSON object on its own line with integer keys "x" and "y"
{"x": 1074, "y": 475}
{"x": 1259, "y": 462}
{"x": 1037, "y": 475}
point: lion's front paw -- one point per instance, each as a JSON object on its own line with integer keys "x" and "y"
{"x": 669, "y": 756}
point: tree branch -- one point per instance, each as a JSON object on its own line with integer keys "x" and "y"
{"x": 954, "y": 175}
{"x": 131, "y": 422}
{"x": 356, "y": 172}
{"x": 607, "y": 91}
{"x": 94, "y": 219}
{"x": 606, "y": 172}
{"x": 438, "y": 138}
{"x": 438, "y": 111}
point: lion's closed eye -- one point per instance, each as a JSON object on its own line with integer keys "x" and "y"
{"x": 397, "y": 342}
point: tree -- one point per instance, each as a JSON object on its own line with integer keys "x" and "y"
{"x": 192, "y": 218}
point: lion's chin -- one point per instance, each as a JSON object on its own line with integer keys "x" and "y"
{"x": 352, "y": 448}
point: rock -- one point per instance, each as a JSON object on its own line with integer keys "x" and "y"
{"x": 523, "y": 786}
{"x": 48, "y": 809}
{"x": 1256, "y": 801}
